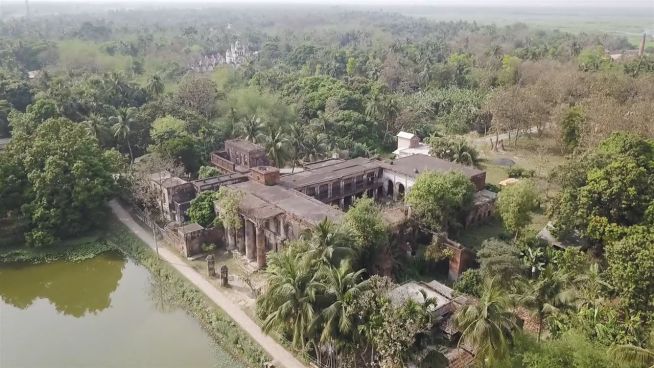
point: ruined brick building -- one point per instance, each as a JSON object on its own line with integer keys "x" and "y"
{"x": 276, "y": 208}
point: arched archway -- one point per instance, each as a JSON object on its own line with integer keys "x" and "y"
{"x": 400, "y": 190}
{"x": 389, "y": 188}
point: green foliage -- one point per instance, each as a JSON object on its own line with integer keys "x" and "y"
{"x": 515, "y": 204}
{"x": 208, "y": 247}
{"x": 631, "y": 269}
{"x": 488, "y": 324}
{"x": 470, "y": 282}
{"x": 365, "y": 221}
{"x": 166, "y": 128}
{"x": 207, "y": 172}
{"x": 228, "y": 204}
{"x": 201, "y": 210}
{"x": 571, "y": 350}
{"x": 509, "y": 74}
{"x": 594, "y": 59}
{"x": 454, "y": 149}
{"x": 571, "y": 125}
{"x": 519, "y": 172}
{"x": 608, "y": 187}
{"x": 440, "y": 200}
{"x": 60, "y": 180}
{"x": 501, "y": 259}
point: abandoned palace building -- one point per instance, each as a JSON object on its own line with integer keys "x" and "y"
{"x": 276, "y": 208}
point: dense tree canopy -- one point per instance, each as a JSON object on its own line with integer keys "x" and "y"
{"x": 439, "y": 200}
{"x": 58, "y": 179}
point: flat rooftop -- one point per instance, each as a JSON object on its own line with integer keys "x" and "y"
{"x": 329, "y": 170}
{"x": 410, "y": 164}
{"x": 266, "y": 201}
{"x": 417, "y": 291}
{"x": 244, "y": 145}
{"x": 219, "y": 179}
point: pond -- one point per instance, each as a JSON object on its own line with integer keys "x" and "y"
{"x": 102, "y": 312}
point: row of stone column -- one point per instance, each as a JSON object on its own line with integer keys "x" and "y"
{"x": 249, "y": 239}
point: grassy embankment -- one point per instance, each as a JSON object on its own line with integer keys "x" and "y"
{"x": 115, "y": 236}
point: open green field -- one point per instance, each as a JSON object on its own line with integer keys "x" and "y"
{"x": 628, "y": 22}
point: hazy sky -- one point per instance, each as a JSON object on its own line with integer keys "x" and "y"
{"x": 529, "y": 3}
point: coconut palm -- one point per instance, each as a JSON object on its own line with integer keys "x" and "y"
{"x": 341, "y": 286}
{"x": 289, "y": 302}
{"x": 93, "y": 124}
{"x": 547, "y": 295}
{"x": 487, "y": 325}
{"x": 276, "y": 143}
{"x": 314, "y": 147}
{"x": 251, "y": 128}
{"x": 122, "y": 123}
{"x": 297, "y": 137}
{"x": 330, "y": 243}
{"x": 641, "y": 356}
{"x": 155, "y": 86}
{"x": 453, "y": 149}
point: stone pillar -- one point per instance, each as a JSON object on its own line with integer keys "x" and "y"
{"x": 224, "y": 276}
{"x": 250, "y": 241}
{"x": 342, "y": 203}
{"x": 240, "y": 236}
{"x": 229, "y": 234}
{"x": 261, "y": 247}
{"x": 211, "y": 265}
{"x": 282, "y": 228}
{"x": 329, "y": 189}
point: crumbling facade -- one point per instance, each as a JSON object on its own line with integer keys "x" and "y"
{"x": 277, "y": 208}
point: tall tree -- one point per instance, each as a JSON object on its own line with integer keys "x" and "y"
{"x": 155, "y": 86}
{"x": 487, "y": 325}
{"x": 288, "y": 304}
{"x": 438, "y": 200}
{"x": 63, "y": 180}
{"x": 122, "y": 123}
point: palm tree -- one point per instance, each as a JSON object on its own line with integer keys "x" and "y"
{"x": 547, "y": 295}
{"x": 641, "y": 356}
{"x": 341, "y": 286}
{"x": 330, "y": 243}
{"x": 155, "y": 86}
{"x": 297, "y": 137}
{"x": 276, "y": 142}
{"x": 93, "y": 124}
{"x": 251, "y": 128}
{"x": 487, "y": 325}
{"x": 122, "y": 126}
{"x": 289, "y": 302}
{"x": 314, "y": 147}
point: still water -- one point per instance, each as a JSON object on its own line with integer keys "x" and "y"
{"x": 103, "y": 312}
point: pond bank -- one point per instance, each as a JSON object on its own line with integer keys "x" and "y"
{"x": 116, "y": 236}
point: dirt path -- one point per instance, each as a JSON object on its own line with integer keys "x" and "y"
{"x": 280, "y": 355}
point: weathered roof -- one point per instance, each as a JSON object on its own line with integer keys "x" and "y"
{"x": 244, "y": 145}
{"x": 421, "y": 163}
{"x": 219, "y": 179}
{"x": 414, "y": 290}
{"x": 265, "y": 200}
{"x": 322, "y": 163}
{"x": 172, "y": 182}
{"x": 326, "y": 173}
{"x": 405, "y": 135}
{"x": 484, "y": 196}
{"x": 190, "y": 228}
